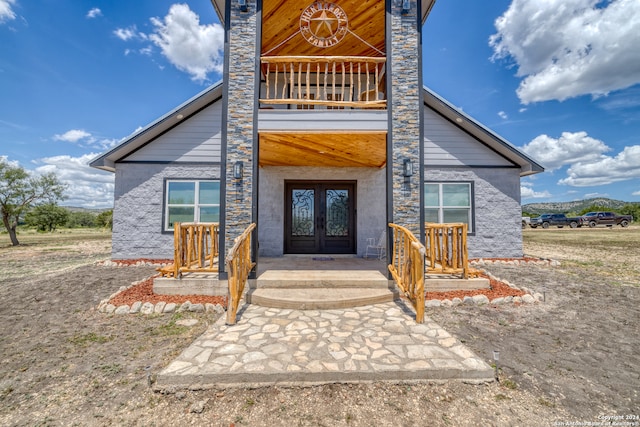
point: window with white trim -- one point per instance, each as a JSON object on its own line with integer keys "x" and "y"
{"x": 191, "y": 201}
{"x": 448, "y": 202}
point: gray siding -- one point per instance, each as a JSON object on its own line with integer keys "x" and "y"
{"x": 138, "y": 208}
{"x": 196, "y": 139}
{"x": 498, "y": 228}
{"x": 447, "y": 145}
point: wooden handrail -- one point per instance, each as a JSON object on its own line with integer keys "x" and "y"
{"x": 447, "y": 249}
{"x": 239, "y": 265}
{"x": 330, "y": 81}
{"x": 407, "y": 267}
{"x": 195, "y": 249}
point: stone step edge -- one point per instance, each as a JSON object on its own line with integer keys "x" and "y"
{"x": 317, "y": 300}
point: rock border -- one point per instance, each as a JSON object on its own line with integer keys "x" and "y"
{"x": 529, "y": 297}
{"x": 148, "y": 308}
{"x": 161, "y": 307}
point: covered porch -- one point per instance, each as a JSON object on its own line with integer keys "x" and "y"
{"x": 320, "y": 281}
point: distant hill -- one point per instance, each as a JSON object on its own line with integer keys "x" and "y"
{"x": 80, "y": 209}
{"x": 575, "y": 206}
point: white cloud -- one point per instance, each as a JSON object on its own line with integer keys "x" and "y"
{"x": 126, "y": 33}
{"x": 595, "y": 195}
{"x": 522, "y": 110}
{"x": 570, "y": 148}
{"x": 83, "y": 138}
{"x": 73, "y": 135}
{"x": 568, "y": 48}
{"x": 94, "y": 13}
{"x": 13, "y": 163}
{"x": 527, "y": 192}
{"x": 503, "y": 115}
{"x": 6, "y": 13}
{"x": 636, "y": 193}
{"x": 193, "y": 48}
{"x": 86, "y": 187}
{"x": 605, "y": 170}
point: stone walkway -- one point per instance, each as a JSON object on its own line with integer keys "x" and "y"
{"x": 271, "y": 346}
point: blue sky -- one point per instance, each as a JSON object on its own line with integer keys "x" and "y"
{"x": 559, "y": 79}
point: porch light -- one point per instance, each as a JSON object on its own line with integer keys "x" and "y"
{"x": 238, "y": 170}
{"x": 243, "y": 5}
{"x": 407, "y": 168}
{"x": 406, "y": 6}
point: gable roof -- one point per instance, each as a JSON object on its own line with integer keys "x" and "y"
{"x": 106, "y": 161}
{"x": 219, "y": 6}
{"x": 528, "y": 166}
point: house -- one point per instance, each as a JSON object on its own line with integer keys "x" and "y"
{"x": 321, "y": 133}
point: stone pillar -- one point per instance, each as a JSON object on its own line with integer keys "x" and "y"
{"x": 406, "y": 115}
{"x": 240, "y": 70}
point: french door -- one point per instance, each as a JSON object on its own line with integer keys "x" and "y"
{"x": 320, "y": 217}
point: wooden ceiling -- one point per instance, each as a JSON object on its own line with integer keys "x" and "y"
{"x": 281, "y": 29}
{"x": 340, "y": 149}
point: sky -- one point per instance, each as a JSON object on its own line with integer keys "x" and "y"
{"x": 559, "y": 79}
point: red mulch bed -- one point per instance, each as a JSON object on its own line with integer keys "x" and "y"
{"x": 498, "y": 289}
{"x": 144, "y": 292}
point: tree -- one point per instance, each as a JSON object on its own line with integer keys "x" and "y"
{"x": 632, "y": 209}
{"x": 105, "y": 219}
{"x": 47, "y": 217}
{"x": 20, "y": 191}
{"x": 81, "y": 219}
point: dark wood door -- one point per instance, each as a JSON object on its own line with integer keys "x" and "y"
{"x": 320, "y": 217}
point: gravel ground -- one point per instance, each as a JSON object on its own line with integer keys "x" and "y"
{"x": 573, "y": 358}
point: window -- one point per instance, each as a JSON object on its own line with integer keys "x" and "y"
{"x": 448, "y": 202}
{"x": 191, "y": 201}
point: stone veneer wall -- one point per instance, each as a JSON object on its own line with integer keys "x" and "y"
{"x": 138, "y": 207}
{"x": 498, "y": 227}
{"x": 240, "y": 87}
{"x": 406, "y": 114}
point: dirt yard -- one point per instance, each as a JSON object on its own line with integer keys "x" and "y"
{"x": 575, "y": 357}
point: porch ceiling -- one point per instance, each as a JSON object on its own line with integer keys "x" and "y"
{"x": 341, "y": 149}
{"x": 281, "y": 29}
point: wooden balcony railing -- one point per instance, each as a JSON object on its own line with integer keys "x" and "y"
{"x": 407, "y": 267}
{"x": 239, "y": 265}
{"x": 447, "y": 249}
{"x": 334, "y": 82}
{"x": 195, "y": 249}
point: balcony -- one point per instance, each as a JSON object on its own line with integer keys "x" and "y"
{"x": 323, "y": 82}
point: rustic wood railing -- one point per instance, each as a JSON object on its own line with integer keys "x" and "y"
{"x": 332, "y": 81}
{"x": 195, "y": 249}
{"x": 239, "y": 265}
{"x": 407, "y": 267}
{"x": 447, "y": 249}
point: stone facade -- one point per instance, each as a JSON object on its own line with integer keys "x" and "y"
{"x": 138, "y": 207}
{"x": 497, "y": 211}
{"x": 406, "y": 116}
{"x": 240, "y": 92}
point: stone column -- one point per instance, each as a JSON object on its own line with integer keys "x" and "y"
{"x": 240, "y": 69}
{"x": 406, "y": 115}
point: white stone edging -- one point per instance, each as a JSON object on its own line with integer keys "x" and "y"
{"x": 148, "y": 308}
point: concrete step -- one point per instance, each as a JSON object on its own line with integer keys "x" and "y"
{"x": 311, "y": 279}
{"x": 319, "y": 298}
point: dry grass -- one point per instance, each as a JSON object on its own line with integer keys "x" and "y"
{"x": 609, "y": 251}
{"x": 40, "y": 253}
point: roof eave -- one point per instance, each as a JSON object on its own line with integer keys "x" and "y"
{"x": 219, "y": 7}
{"x": 107, "y": 161}
{"x": 528, "y": 166}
